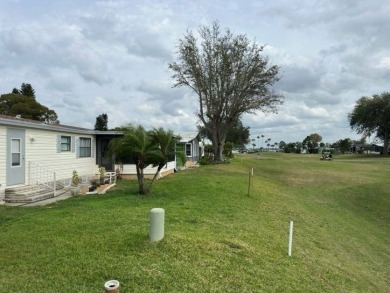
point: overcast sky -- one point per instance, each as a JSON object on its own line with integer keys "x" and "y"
{"x": 85, "y": 58}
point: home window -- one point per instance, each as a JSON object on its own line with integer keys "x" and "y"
{"x": 85, "y": 147}
{"x": 16, "y": 152}
{"x": 65, "y": 143}
{"x": 188, "y": 149}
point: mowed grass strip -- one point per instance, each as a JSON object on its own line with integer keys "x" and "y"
{"x": 217, "y": 238}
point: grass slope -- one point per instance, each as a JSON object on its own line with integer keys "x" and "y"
{"x": 217, "y": 238}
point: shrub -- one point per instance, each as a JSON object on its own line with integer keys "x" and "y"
{"x": 75, "y": 178}
{"x": 205, "y": 160}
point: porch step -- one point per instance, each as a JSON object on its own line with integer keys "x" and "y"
{"x": 27, "y": 194}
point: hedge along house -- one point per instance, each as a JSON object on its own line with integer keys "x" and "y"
{"x": 34, "y": 154}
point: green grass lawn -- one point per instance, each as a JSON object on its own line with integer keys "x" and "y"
{"x": 217, "y": 238}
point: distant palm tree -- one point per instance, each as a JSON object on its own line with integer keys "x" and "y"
{"x": 268, "y": 142}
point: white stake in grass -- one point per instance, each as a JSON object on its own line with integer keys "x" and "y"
{"x": 290, "y": 238}
{"x": 249, "y": 183}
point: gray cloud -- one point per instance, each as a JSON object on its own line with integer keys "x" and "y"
{"x": 148, "y": 45}
{"x": 170, "y": 101}
{"x": 18, "y": 41}
{"x": 87, "y": 58}
{"x": 88, "y": 63}
{"x": 297, "y": 79}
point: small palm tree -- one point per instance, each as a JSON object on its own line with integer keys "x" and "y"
{"x": 135, "y": 144}
{"x": 144, "y": 148}
{"x": 164, "y": 148}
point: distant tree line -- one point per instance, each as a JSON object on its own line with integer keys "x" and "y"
{"x": 311, "y": 144}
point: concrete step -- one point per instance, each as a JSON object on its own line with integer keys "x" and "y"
{"x": 24, "y": 189}
{"x": 30, "y": 189}
{"x": 27, "y": 194}
{"x": 17, "y": 198}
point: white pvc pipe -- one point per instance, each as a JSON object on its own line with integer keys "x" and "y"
{"x": 157, "y": 219}
{"x": 252, "y": 171}
{"x": 290, "y": 238}
{"x": 111, "y": 286}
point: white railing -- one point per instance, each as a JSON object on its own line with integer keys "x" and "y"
{"x": 111, "y": 176}
{"x": 38, "y": 175}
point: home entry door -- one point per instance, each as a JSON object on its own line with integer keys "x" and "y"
{"x": 15, "y": 156}
{"x": 106, "y": 161}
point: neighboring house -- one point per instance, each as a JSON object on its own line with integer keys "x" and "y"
{"x": 377, "y": 148}
{"x": 192, "y": 146}
{"x": 356, "y": 148}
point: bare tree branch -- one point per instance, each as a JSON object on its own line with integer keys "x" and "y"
{"x": 230, "y": 77}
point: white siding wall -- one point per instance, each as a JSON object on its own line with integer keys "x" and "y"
{"x": 131, "y": 170}
{"x": 42, "y": 150}
{"x": 194, "y": 150}
{"x": 195, "y": 144}
{"x": 3, "y": 159}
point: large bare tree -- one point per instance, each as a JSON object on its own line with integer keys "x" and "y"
{"x": 230, "y": 77}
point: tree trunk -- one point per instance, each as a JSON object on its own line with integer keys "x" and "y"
{"x": 141, "y": 182}
{"x": 218, "y": 140}
{"x": 218, "y": 150}
{"x": 160, "y": 166}
{"x": 216, "y": 144}
{"x": 140, "y": 178}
